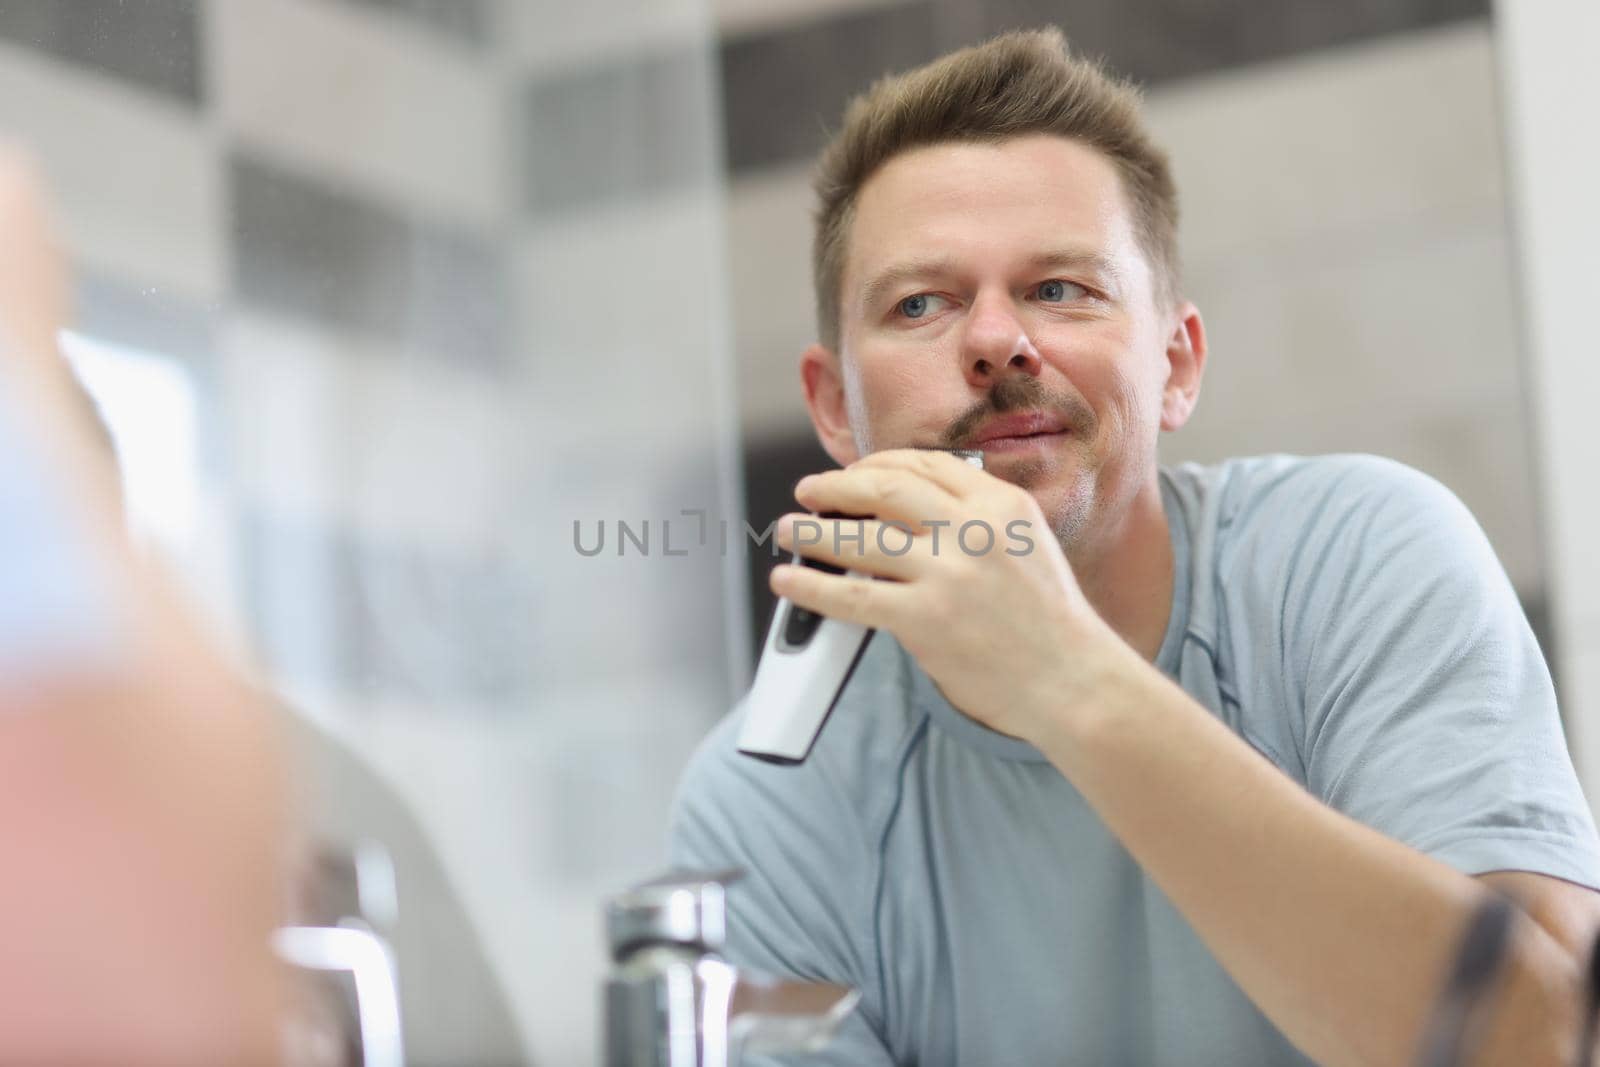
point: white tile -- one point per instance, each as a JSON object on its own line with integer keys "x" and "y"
{"x": 1416, "y": 325}
{"x": 1572, "y": 505}
{"x": 369, "y": 101}
{"x": 396, "y": 448}
{"x": 1580, "y": 699}
{"x": 1422, "y": 320}
{"x": 134, "y": 177}
{"x": 1397, "y": 129}
{"x": 1247, "y": 378}
{"x": 1547, "y": 68}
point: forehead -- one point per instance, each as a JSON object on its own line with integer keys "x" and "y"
{"x": 988, "y": 204}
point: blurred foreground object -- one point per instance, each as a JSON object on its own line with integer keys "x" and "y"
{"x": 141, "y": 802}
{"x": 345, "y": 1008}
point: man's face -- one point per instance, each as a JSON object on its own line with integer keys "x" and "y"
{"x": 994, "y": 296}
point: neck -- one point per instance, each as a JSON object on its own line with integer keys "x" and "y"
{"x": 1127, "y": 572}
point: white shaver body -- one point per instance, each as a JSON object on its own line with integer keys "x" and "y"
{"x": 805, "y": 664}
{"x": 797, "y": 686}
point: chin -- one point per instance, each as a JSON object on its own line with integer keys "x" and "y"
{"x": 1067, "y": 508}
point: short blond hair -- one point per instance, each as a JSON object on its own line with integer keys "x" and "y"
{"x": 1019, "y": 83}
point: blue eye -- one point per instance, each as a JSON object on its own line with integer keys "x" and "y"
{"x": 914, "y": 307}
{"x": 1055, "y": 291}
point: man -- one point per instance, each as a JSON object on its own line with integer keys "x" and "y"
{"x": 1219, "y": 770}
{"x": 140, "y": 798}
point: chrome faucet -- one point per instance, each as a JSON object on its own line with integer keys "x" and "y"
{"x": 672, "y": 1001}
{"x": 345, "y": 1011}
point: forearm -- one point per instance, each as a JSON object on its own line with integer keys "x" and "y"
{"x": 1340, "y": 935}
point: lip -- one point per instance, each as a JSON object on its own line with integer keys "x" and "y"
{"x": 1012, "y": 430}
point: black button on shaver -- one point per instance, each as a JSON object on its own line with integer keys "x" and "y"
{"x": 802, "y": 623}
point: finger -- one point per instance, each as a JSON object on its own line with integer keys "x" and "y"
{"x": 844, "y": 597}
{"x": 949, "y": 472}
{"x": 882, "y": 549}
{"x": 884, "y": 492}
{"x": 33, "y": 283}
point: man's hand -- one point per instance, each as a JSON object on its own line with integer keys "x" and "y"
{"x": 979, "y": 591}
{"x": 33, "y": 283}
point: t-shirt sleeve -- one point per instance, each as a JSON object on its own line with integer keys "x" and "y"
{"x": 1428, "y": 710}
{"x": 803, "y": 908}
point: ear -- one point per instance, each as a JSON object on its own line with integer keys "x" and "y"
{"x": 1186, "y": 362}
{"x": 823, "y": 383}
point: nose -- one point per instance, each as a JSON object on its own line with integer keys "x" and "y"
{"x": 995, "y": 344}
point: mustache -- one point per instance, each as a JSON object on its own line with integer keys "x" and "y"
{"x": 1018, "y": 393}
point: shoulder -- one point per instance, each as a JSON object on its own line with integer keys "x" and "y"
{"x": 1285, "y": 507}
{"x": 1261, "y": 488}
{"x": 1333, "y": 555}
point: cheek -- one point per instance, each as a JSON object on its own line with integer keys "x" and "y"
{"x": 1131, "y": 382}
{"x": 895, "y": 386}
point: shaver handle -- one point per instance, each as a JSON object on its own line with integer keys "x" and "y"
{"x": 804, "y": 667}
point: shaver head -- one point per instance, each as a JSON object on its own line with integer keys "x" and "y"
{"x": 806, "y": 663}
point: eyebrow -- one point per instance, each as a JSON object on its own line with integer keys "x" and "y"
{"x": 891, "y": 278}
{"x": 1075, "y": 259}
{"x": 1064, "y": 259}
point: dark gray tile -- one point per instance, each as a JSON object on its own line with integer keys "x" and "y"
{"x": 155, "y": 44}
{"x": 466, "y": 21}
{"x": 385, "y": 621}
{"x": 1536, "y": 606}
{"x": 805, "y": 74}
{"x": 618, "y": 130}
{"x": 305, "y": 248}
{"x": 784, "y": 90}
{"x": 1155, "y": 41}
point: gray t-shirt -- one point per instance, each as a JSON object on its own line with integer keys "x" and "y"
{"x": 1344, "y": 615}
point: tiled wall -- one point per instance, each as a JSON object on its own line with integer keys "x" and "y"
{"x": 449, "y": 275}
